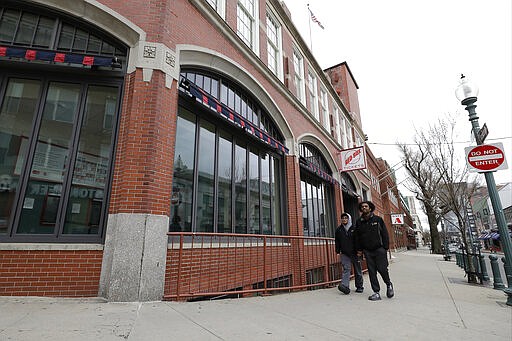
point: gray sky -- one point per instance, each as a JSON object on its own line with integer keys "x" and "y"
{"x": 407, "y": 57}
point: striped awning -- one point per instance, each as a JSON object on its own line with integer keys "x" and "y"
{"x": 227, "y": 113}
{"x": 57, "y": 57}
{"x": 490, "y": 235}
{"x": 485, "y": 235}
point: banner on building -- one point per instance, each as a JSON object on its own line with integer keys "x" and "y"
{"x": 353, "y": 159}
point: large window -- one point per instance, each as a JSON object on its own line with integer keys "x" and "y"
{"x": 298, "y": 64}
{"x": 324, "y": 108}
{"x": 225, "y": 180}
{"x": 317, "y": 196}
{"x": 274, "y": 45}
{"x": 246, "y": 14}
{"x": 57, "y": 129}
{"x": 313, "y": 95}
{"x": 55, "y": 157}
{"x": 337, "y": 124}
{"x": 219, "y": 6}
{"x": 22, "y": 28}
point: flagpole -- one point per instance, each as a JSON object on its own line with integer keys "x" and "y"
{"x": 309, "y": 21}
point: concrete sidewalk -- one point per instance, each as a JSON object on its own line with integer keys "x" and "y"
{"x": 433, "y": 301}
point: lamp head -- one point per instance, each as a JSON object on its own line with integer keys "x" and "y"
{"x": 466, "y": 89}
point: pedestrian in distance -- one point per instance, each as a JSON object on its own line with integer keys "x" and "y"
{"x": 372, "y": 239}
{"x": 344, "y": 239}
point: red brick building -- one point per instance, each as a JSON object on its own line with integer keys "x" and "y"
{"x": 123, "y": 120}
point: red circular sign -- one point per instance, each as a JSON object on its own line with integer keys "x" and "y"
{"x": 486, "y": 157}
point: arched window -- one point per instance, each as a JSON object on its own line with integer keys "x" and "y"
{"x": 57, "y": 125}
{"x": 316, "y": 193}
{"x": 228, "y": 169}
{"x": 56, "y": 39}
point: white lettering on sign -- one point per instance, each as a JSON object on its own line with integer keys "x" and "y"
{"x": 352, "y": 159}
{"x": 486, "y": 158}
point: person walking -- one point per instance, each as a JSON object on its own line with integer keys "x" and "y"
{"x": 372, "y": 238}
{"x": 344, "y": 239}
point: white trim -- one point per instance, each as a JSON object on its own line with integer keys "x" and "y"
{"x": 49, "y": 247}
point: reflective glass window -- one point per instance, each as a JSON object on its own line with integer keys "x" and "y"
{"x": 90, "y": 170}
{"x": 16, "y": 118}
{"x": 240, "y": 174}
{"x": 224, "y": 180}
{"x": 205, "y": 169}
{"x": 182, "y": 184}
{"x": 254, "y": 193}
{"x": 44, "y": 189}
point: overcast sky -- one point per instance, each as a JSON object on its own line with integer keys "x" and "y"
{"x": 407, "y": 57}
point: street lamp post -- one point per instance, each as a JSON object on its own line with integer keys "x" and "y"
{"x": 447, "y": 255}
{"x": 467, "y": 94}
{"x": 445, "y": 240}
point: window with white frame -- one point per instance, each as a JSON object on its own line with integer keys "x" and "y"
{"x": 313, "y": 97}
{"x": 219, "y": 6}
{"x": 337, "y": 124}
{"x": 359, "y": 140}
{"x": 246, "y": 22}
{"x": 375, "y": 183}
{"x": 348, "y": 133}
{"x": 274, "y": 45}
{"x": 392, "y": 196}
{"x": 298, "y": 65}
{"x": 324, "y": 109}
{"x": 343, "y": 128}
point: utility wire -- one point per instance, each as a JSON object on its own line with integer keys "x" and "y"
{"x": 416, "y": 144}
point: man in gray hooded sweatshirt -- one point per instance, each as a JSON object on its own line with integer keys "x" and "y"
{"x": 344, "y": 238}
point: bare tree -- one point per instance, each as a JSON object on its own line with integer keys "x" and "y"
{"x": 424, "y": 183}
{"x": 456, "y": 188}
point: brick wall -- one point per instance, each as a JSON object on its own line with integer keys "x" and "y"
{"x": 66, "y": 273}
{"x": 214, "y": 269}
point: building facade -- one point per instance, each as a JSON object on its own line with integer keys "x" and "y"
{"x": 122, "y": 121}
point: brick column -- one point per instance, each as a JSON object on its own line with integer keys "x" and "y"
{"x": 133, "y": 267}
{"x": 295, "y": 224}
{"x": 338, "y": 205}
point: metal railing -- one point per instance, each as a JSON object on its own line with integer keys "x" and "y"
{"x": 209, "y": 265}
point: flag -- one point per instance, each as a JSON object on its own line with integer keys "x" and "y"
{"x": 314, "y": 19}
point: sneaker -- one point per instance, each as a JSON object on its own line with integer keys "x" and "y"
{"x": 359, "y": 290}
{"x": 344, "y": 289}
{"x": 374, "y": 297}
{"x": 390, "y": 292}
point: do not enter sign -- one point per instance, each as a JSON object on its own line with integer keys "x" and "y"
{"x": 486, "y": 158}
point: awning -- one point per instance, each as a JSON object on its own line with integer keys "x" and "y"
{"x": 491, "y": 235}
{"x": 486, "y": 235}
{"x": 57, "y": 57}
{"x": 227, "y": 113}
{"x": 495, "y": 235}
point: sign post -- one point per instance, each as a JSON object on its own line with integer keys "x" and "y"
{"x": 486, "y": 158}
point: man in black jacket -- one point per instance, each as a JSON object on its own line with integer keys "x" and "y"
{"x": 344, "y": 238}
{"x": 371, "y": 237}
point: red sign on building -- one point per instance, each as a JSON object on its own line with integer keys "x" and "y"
{"x": 352, "y": 159}
{"x": 486, "y": 158}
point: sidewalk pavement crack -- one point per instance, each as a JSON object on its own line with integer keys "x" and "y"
{"x": 451, "y": 296}
{"x": 194, "y": 322}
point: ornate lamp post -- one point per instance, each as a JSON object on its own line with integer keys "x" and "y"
{"x": 467, "y": 94}
{"x": 445, "y": 240}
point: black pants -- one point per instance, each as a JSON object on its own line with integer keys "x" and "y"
{"x": 377, "y": 261}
